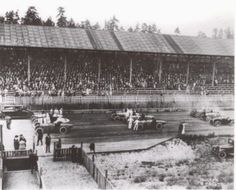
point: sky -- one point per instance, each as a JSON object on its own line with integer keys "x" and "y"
{"x": 191, "y": 16}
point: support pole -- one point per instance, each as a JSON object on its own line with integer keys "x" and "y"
{"x": 160, "y": 69}
{"x": 213, "y": 74}
{"x": 187, "y": 74}
{"x": 65, "y": 68}
{"x": 130, "y": 71}
{"x": 99, "y": 72}
{"x": 28, "y": 68}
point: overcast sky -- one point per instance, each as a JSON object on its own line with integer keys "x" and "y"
{"x": 190, "y": 16}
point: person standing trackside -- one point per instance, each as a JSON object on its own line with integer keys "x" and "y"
{"x": 40, "y": 137}
{"x": 8, "y": 122}
{"x": 16, "y": 143}
{"x": 48, "y": 142}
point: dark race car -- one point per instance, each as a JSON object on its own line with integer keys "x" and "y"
{"x": 15, "y": 112}
{"x": 54, "y": 125}
{"x": 225, "y": 150}
{"x": 222, "y": 120}
{"x": 151, "y": 123}
{"x": 204, "y": 115}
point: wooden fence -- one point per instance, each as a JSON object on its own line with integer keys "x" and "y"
{"x": 15, "y": 153}
{"x": 65, "y": 154}
{"x": 101, "y": 178}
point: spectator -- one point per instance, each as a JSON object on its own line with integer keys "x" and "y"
{"x": 16, "y": 143}
{"x": 48, "y": 143}
{"x": 40, "y": 137}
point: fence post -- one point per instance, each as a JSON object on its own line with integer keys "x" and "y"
{"x": 106, "y": 174}
{"x": 93, "y": 166}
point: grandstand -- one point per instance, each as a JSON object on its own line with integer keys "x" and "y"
{"x": 40, "y": 60}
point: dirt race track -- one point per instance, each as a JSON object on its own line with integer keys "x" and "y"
{"x": 98, "y": 127}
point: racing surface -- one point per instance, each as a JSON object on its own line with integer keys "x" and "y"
{"x": 98, "y": 127}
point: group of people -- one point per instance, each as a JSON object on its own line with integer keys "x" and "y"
{"x": 51, "y": 116}
{"x": 19, "y": 142}
{"x": 47, "y": 74}
{"x": 47, "y": 140}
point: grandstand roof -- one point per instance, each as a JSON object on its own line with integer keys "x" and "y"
{"x": 75, "y": 38}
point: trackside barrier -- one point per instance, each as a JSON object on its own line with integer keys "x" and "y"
{"x": 65, "y": 154}
{"x": 101, "y": 178}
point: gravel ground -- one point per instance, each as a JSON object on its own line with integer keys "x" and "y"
{"x": 65, "y": 175}
{"x": 174, "y": 165}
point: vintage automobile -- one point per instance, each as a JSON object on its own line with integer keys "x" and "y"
{"x": 121, "y": 115}
{"x": 54, "y": 125}
{"x": 151, "y": 123}
{"x": 222, "y": 120}
{"x": 223, "y": 151}
{"x": 205, "y": 115}
{"x": 15, "y": 112}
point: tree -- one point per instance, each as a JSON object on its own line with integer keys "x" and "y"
{"x": 71, "y": 23}
{"x": 112, "y": 24}
{"x": 201, "y": 34}
{"x": 229, "y": 34}
{"x": 144, "y": 28}
{"x": 62, "y": 20}
{"x": 177, "y": 31}
{"x": 130, "y": 29}
{"x": 96, "y": 26}
{"x": 86, "y": 24}
{"x": 49, "y": 22}
{"x": 220, "y": 34}
{"x": 215, "y": 33}
{"x": 12, "y": 17}
{"x": 2, "y": 19}
{"x": 137, "y": 28}
{"x": 31, "y": 17}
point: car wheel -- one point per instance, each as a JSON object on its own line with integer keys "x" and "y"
{"x": 222, "y": 154}
{"x": 63, "y": 130}
{"x": 231, "y": 123}
{"x": 217, "y": 123}
{"x": 159, "y": 126}
{"x": 39, "y": 129}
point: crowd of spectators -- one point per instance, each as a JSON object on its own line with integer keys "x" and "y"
{"x": 50, "y": 75}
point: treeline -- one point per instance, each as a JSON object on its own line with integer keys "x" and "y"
{"x": 32, "y": 18}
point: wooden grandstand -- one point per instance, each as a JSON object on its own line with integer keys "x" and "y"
{"x": 162, "y": 48}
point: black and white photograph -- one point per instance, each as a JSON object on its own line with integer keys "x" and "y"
{"x": 117, "y": 94}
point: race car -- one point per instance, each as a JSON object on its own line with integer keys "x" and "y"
{"x": 15, "y": 112}
{"x": 52, "y": 125}
{"x": 205, "y": 115}
{"x": 121, "y": 115}
{"x": 222, "y": 120}
{"x": 151, "y": 123}
{"x": 225, "y": 150}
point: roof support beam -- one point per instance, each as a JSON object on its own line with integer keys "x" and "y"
{"x": 65, "y": 68}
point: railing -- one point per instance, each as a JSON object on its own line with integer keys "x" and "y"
{"x": 15, "y": 153}
{"x": 1, "y": 173}
{"x": 101, "y": 179}
{"x": 65, "y": 154}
